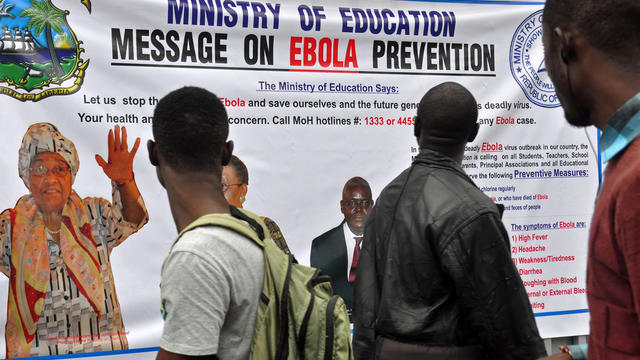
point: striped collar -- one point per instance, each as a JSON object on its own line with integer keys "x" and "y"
{"x": 621, "y": 129}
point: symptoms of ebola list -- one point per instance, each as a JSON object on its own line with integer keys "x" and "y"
{"x": 545, "y": 252}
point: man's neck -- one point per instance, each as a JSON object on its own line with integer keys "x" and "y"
{"x": 604, "y": 109}
{"x": 456, "y": 153}
{"x": 193, "y": 195}
{"x": 606, "y": 89}
{"x": 356, "y": 232}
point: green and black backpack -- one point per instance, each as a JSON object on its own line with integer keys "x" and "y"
{"x": 298, "y": 315}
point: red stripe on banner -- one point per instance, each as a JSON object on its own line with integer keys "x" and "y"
{"x": 326, "y": 71}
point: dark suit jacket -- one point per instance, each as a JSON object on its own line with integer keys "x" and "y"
{"x": 329, "y": 254}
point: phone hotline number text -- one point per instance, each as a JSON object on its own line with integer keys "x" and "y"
{"x": 380, "y": 121}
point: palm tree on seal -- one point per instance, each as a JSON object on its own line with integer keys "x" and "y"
{"x": 45, "y": 17}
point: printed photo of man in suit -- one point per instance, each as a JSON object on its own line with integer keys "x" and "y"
{"x": 336, "y": 251}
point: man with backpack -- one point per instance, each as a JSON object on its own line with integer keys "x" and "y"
{"x": 228, "y": 291}
{"x": 213, "y": 276}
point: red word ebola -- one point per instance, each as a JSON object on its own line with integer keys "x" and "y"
{"x": 307, "y": 51}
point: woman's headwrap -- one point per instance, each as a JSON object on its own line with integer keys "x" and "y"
{"x": 45, "y": 137}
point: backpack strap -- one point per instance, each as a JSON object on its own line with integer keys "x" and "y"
{"x": 236, "y": 222}
{"x": 238, "y": 214}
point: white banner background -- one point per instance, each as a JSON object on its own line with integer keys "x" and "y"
{"x": 297, "y": 171}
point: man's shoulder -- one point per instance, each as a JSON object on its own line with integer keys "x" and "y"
{"x": 215, "y": 253}
{"x": 328, "y": 234}
{"x": 622, "y": 176}
{"x": 626, "y": 165}
{"x": 217, "y": 242}
{"x": 464, "y": 202}
{"x": 441, "y": 188}
{"x": 621, "y": 186}
{"x": 435, "y": 196}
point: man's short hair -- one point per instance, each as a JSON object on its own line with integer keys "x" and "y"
{"x": 190, "y": 127}
{"x": 356, "y": 181}
{"x": 447, "y": 111}
{"x": 611, "y": 26}
{"x": 240, "y": 169}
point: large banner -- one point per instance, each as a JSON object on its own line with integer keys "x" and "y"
{"x": 316, "y": 95}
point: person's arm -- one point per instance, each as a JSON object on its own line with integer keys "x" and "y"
{"x": 478, "y": 260}
{"x": 5, "y": 242}
{"x": 365, "y": 295}
{"x": 627, "y": 230}
{"x": 559, "y": 356}
{"x": 119, "y": 168}
{"x": 575, "y": 352}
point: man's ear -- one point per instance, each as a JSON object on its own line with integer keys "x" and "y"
{"x": 153, "y": 156}
{"x": 227, "y": 150}
{"x": 417, "y": 127}
{"x": 152, "y": 148}
{"x": 473, "y": 133}
{"x": 567, "y": 44}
